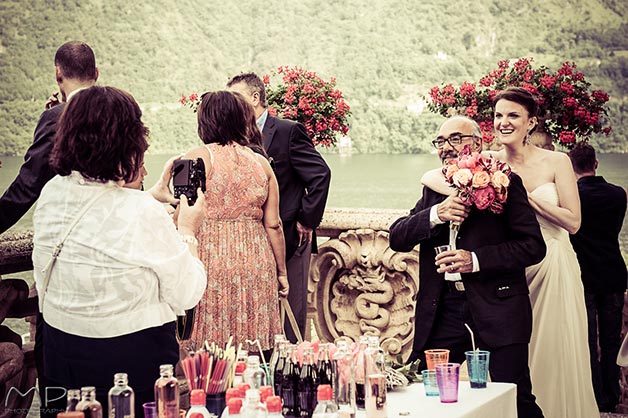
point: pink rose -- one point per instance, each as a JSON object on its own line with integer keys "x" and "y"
{"x": 481, "y": 179}
{"x": 483, "y": 198}
{"x": 469, "y": 161}
{"x": 462, "y": 177}
{"x": 450, "y": 170}
{"x": 500, "y": 180}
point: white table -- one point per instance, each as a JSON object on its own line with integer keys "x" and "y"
{"x": 498, "y": 400}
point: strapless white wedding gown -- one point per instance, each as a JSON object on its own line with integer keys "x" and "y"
{"x": 559, "y": 351}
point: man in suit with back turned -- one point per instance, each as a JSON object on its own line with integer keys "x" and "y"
{"x": 75, "y": 69}
{"x": 603, "y": 271}
{"x": 303, "y": 177}
{"x": 492, "y": 253}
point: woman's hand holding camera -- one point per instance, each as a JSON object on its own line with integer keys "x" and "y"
{"x": 161, "y": 190}
{"x": 190, "y": 217}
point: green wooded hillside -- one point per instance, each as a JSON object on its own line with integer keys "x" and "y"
{"x": 385, "y": 55}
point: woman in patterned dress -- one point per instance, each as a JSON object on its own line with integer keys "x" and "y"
{"x": 241, "y": 241}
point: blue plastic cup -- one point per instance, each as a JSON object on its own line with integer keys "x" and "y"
{"x": 477, "y": 363}
{"x": 429, "y": 382}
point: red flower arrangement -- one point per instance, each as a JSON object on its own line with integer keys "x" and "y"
{"x": 304, "y": 97}
{"x": 567, "y": 108}
{"x": 482, "y": 181}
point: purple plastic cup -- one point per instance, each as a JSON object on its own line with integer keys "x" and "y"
{"x": 447, "y": 377}
{"x": 150, "y": 410}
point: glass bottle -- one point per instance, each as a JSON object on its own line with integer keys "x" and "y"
{"x": 88, "y": 405}
{"x": 344, "y": 383}
{"x": 278, "y": 370}
{"x": 325, "y": 369}
{"x": 374, "y": 358}
{"x": 254, "y": 408}
{"x": 74, "y": 397}
{"x": 274, "y": 358}
{"x": 121, "y": 398}
{"x": 167, "y": 393}
{"x": 254, "y": 375}
{"x": 289, "y": 382}
{"x": 308, "y": 382}
{"x": 234, "y": 408}
{"x": 360, "y": 375}
{"x": 326, "y": 407}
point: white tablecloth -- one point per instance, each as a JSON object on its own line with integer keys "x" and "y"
{"x": 498, "y": 400}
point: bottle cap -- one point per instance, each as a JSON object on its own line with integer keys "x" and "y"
{"x": 244, "y": 387}
{"x": 265, "y": 392}
{"x": 273, "y": 404}
{"x": 324, "y": 393}
{"x": 71, "y": 414}
{"x": 240, "y": 367}
{"x": 197, "y": 397}
{"x": 234, "y": 405}
{"x": 196, "y": 415}
{"x": 233, "y": 393}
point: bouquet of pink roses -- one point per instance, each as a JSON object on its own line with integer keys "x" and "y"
{"x": 482, "y": 181}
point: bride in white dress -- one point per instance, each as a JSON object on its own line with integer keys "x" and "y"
{"x": 559, "y": 353}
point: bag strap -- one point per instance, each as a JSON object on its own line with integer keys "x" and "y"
{"x": 47, "y": 270}
{"x": 284, "y": 309}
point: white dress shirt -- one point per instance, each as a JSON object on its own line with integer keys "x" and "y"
{"x": 122, "y": 269}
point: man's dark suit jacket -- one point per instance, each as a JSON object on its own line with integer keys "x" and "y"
{"x": 504, "y": 244}
{"x": 597, "y": 241}
{"x": 34, "y": 173}
{"x": 299, "y": 168}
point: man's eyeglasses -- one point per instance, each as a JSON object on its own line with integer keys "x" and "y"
{"x": 454, "y": 140}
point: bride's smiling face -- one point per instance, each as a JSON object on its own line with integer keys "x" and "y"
{"x": 512, "y": 122}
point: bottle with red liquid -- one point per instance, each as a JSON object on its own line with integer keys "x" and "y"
{"x": 88, "y": 405}
{"x": 280, "y": 339}
{"x": 308, "y": 382}
{"x": 360, "y": 373}
{"x": 167, "y": 393}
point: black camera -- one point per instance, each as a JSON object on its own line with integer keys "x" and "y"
{"x": 188, "y": 176}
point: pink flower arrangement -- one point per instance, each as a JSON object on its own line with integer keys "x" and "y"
{"x": 568, "y": 108}
{"x": 482, "y": 181}
{"x": 306, "y": 98}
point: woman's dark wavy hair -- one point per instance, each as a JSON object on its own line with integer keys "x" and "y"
{"x": 254, "y": 135}
{"x": 222, "y": 119}
{"x": 100, "y": 135}
{"x": 521, "y": 96}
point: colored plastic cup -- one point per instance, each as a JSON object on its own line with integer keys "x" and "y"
{"x": 150, "y": 410}
{"x": 447, "y": 377}
{"x": 216, "y": 403}
{"x": 477, "y": 363}
{"x": 436, "y": 356}
{"x": 429, "y": 382}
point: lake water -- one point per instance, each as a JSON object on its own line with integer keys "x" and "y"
{"x": 365, "y": 181}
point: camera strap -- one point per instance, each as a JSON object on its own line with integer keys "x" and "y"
{"x": 47, "y": 270}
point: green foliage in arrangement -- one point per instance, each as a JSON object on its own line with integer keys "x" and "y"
{"x": 384, "y": 55}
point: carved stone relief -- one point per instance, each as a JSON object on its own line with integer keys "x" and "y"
{"x": 358, "y": 285}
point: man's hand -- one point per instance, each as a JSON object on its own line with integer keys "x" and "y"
{"x": 453, "y": 209}
{"x": 53, "y": 100}
{"x": 454, "y": 261}
{"x": 284, "y": 287}
{"x": 305, "y": 234}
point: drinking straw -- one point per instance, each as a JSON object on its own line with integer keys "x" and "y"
{"x": 472, "y": 338}
{"x": 261, "y": 352}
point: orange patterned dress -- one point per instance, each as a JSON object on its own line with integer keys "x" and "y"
{"x": 241, "y": 299}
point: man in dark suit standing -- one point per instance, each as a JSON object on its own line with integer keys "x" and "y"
{"x": 303, "y": 178}
{"x": 493, "y": 252}
{"x": 603, "y": 270}
{"x": 75, "y": 69}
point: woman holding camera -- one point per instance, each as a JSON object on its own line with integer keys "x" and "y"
{"x": 110, "y": 267}
{"x": 241, "y": 241}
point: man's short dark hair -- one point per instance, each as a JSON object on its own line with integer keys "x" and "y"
{"x": 76, "y": 60}
{"x": 254, "y": 83}
{"x": 223, "y": 118}
{"x": 100, "y": 135}
{"x": 582, "y": 157}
